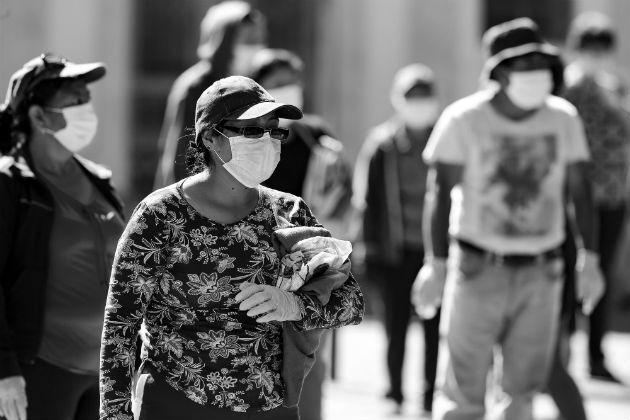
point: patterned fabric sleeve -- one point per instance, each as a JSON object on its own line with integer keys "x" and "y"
{"x": 132, "y": 283}
{"x": 345, "y": 306}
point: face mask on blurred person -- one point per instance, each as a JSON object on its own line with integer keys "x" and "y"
{"x": 288, "y": 94}
{"x": 529, "y": 89}
{"x": 592, "y": 64}
{"x": 81, "y": 124}
{"x": 242, "y": 58}
{"x": 419, "y": 112}
{"x": 253, "y": 160}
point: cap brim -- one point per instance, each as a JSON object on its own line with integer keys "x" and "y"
{"x": 287, "y": 111}
{"x": 495, "y": 60}
{"x": 90, "y": 72}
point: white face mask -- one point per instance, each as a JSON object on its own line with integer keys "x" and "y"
{"x": 419, "y": 113}
{"x": 81, "y": 124}
{"x": 242, "y": 58}
{"x": 253, "y": 160}
{"x": 592, "y": 64}
{"x": 529, "y": 89}
{"x": 288, "y": 94}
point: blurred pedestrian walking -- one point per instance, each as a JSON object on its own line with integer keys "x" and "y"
{"x": 200, "y": 263}
{"x": 389, "y": 189}
{"x": 60, "y": 219}
{"x": 230, "y": 34}
{"x": 602, "y": 99}
{"x": 310, "y": 166}
{"x": 501, "y": 163}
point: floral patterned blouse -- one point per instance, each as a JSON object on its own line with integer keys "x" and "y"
{"x": 179, "y": 272}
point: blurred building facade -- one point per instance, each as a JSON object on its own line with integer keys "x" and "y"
{"x": 352, "y": 49}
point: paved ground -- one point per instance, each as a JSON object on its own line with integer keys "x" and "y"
{"x": 361, "y": 378}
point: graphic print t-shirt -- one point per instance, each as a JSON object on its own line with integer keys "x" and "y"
{"x": 510, "y": 200}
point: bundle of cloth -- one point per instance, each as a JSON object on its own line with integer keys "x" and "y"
{"x": 313, "y": 262}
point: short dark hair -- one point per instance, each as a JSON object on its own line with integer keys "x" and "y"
{"x": 269, "y": 60}
{"x": 15, "y": 123}
{"x": 591, "y": 30}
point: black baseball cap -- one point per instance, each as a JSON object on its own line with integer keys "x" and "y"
{"x": 238, "y": 98}
{"x": 47, "y": 67}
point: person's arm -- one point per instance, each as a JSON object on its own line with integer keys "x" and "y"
{"x": 8, "y": 223}
{"x": 346, "y": 305}
{"x": 441, "y": 180}
{"x": 372, "y": 218}
{"x": 590, "y": 282}
{"x": 579, "y": 191}
{"x": 12, "y": 385}
{"x": 131, "y": 286}
{"x": 446, "y": 154}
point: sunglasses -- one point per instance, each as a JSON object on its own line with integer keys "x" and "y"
{"x": 253, "y": 132}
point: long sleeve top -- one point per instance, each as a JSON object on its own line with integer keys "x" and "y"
{"x": 179, "y": 272}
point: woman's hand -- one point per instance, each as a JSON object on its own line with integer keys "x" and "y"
{"x": 274, "y": 303}
{"x": 13, "y": 398}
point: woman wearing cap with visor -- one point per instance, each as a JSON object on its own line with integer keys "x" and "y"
{"x": 59, "y": 222}
{"x": 198, "y": 265}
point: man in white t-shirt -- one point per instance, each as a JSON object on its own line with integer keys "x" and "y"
{"x": 505, "y": 162}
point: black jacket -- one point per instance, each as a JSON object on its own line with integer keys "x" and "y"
{"x": 26, "y": 217}
{"x": 376, "y": 189}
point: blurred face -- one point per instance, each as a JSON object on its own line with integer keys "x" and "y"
{"x": 279, "y": 77}
{"x": 284, "y": 84}
{"x": 250, "y": 38}
{"x": 71, "y": 93}
{"x": 418, "y": 107}
{"x": 527, "y": 80}
{"x": 251, "y": 33}
{"x": 595, "y": 58}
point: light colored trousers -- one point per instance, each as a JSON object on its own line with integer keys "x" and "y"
{"x": 490, "y": 305}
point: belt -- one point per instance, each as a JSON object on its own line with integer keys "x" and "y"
{"x": 510, "y": 259}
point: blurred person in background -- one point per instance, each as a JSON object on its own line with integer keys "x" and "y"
{"x": 230, "y": 34}
{"x": 389, "y": 188}
{"x": 312, "y": 165}
{"x": 561, "y": 386}
{"x": 60, "y": 219}
{"x": 601, "y": 98}
{"x": 301, "y": 171}
{"x": 198, "y": 265}
{"x": 503, "y": 164}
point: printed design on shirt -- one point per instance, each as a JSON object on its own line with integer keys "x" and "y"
{"x": 517, "y": 173}
{"x": 180, "y": 272}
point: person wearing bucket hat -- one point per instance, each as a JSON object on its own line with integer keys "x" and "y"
{"x": 389, "y": 188}
{"x": 197, "y": 266}
{"x": 501, "y": 164}
{"x": 60, "y": 219}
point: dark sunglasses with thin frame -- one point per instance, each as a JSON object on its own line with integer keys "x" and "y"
{"x": 255, "y": 132}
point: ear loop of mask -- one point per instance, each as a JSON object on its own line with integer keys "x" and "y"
{"x": 47, "y": 130}
{"x": 214, "y": 150}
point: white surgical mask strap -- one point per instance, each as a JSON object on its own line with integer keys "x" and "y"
{"x": 214, "y": 150}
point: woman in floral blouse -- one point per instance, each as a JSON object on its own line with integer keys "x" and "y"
{"x": 196, "y": 264}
